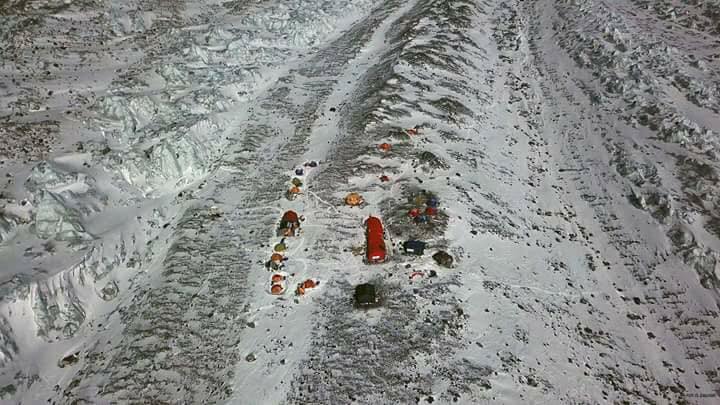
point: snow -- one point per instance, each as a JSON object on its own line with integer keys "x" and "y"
{"x": 148, "y": 148}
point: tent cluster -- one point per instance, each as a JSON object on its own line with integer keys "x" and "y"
{"x": 296, "y": 183}
{"x": 278, "y": 283}
{"x": 424, "y": 210}
{"x": 288, "y": 227}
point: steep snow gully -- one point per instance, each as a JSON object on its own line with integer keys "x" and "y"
{"x": 147, "y": 148}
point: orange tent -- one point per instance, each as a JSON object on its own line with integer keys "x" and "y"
{"x": 277, "y": 289}
{"x": 353, "y": 199}
{"x": 306, "y": 285}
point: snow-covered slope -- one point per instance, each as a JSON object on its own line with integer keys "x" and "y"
{"x": 149, "y": 146}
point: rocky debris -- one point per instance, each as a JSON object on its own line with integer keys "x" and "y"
{"x": 27, "y": 141}
{"x": 432, "y": 161}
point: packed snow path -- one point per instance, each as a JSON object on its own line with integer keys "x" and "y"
{"x": 571, "y": 145}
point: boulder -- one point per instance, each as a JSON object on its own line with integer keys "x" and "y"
{"x": 443, "y": 258}
{"x": 69, "y": 360}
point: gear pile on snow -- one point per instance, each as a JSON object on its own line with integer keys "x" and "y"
{"x": 426, "y": 208}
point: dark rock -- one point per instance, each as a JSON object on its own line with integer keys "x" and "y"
{"x": 433, "y": 161}
{"x": 443, "y": 258}
{"x": 69, "y": 360}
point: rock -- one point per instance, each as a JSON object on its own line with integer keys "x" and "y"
{"x": 69, "y": 360}
{"x": 443, "y": 259}
{"x": 250, "y": 358}
{"x": 432, "y": 160}
{"x": 215, "y": 212}
{"x": 110, "y": 291}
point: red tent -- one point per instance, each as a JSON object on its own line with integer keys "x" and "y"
{"x": 375, "y": 242}
{"x": 290, "y": 216}
{"x": 288, "y": 224}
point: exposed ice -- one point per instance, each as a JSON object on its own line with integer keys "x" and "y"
{"x": 53, "y": 220}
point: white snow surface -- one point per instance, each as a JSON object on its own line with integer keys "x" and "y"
{"x": 148, "y": 147}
